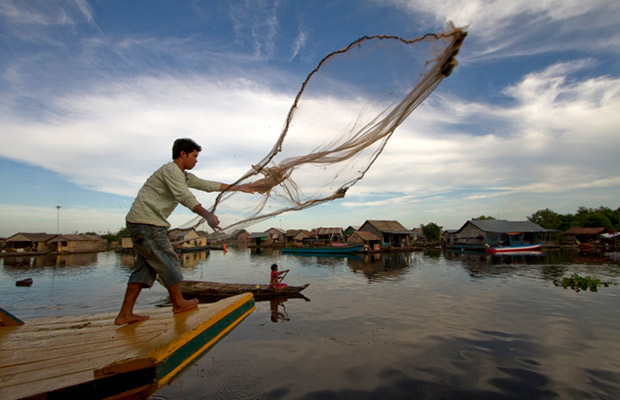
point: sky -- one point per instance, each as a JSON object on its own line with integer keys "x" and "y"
{"x": 93, "y": 93}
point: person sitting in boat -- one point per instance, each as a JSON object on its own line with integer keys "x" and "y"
{"x": 275, "y": 281}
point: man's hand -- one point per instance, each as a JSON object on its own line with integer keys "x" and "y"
{"x": 245, "y": 188}
{"x": 212, "y": 219}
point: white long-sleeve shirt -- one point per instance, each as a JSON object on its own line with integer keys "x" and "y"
{"x": 163, "y": 191}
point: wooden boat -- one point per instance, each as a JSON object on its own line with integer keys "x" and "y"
{"x": 192, "y": 249}
{"x": 218, "y": 290}
{"x": 323, "y": 250}
{"x": 507, "y": 249}
{"x": 89, "y": 357}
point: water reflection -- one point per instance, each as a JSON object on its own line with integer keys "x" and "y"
{"x": 191, "y": 260}
{"x": 278, "y": 310}
{"x": 383, "y": 266}
{"x": 127, "y": 260}
{"x": 18, "y": 264}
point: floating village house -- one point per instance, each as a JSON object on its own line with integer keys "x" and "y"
{"x": 369, "y": 240}
{"x": 480, "y": 234}
{"x": 330, "y": 235}
{"x": 277, "y": 237}
{"x": 300, "y": 237}
{"x": 578, "y": 234}
{"x": 77, "y": 244}
{"x": 392, "y": 233}
{"x": 126, "y": 244}
{"x": 349, "y": 231}
{"x": 41, "y": 243}
{"x": 258, "y": 239}
{"x": 28, "y": 242}
{"x": 187, "y": 239}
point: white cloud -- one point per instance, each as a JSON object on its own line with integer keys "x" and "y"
{"x": 299, "y": 43}
{"x": 558, "y": 136}
{"x": 112, "y": 138}
{"x": 507, "y": 28}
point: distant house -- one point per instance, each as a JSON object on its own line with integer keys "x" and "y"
{"x": 417, "y": 234}
{"x": 28, "y": 242}
{"x": 392, "y": 233}
{"x": 584, "y": 235}
{"x": 187, "y": 238}
{"x": 126, "y": 244}
{"x": 77, "y": 244}
{"x": 479, "y": 234}
{"x": 446, "y": 235}
{"x": 300, "y": 237}
{"x": 277, "y": 237}
{"x": 369, "y": 240}
{"x": 350, "y": 229}
{"x": 330, "y": 235}
{"x": 240, "y": 237}
{"x": 258, "y": 239}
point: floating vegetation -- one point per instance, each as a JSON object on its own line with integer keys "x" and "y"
{"x": 579, "y": 283}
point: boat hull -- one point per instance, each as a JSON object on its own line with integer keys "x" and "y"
{"x": 219, "y": 290}
{"x": 322, "y": 250}
{"x": 511, "y": 249}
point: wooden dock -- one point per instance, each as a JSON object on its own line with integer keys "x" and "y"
{"x": 87, "y": 356}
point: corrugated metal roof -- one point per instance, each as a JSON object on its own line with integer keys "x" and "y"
{"x": 256, "y": 235}
{"x": 503, "y": 226}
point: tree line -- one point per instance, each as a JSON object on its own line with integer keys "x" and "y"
{"x": 601, "y": 217}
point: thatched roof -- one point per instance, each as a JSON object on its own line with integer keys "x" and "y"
{"x": 579, "y": 230}
{"x": 30, "y": 237}
{"x": 367, "y": 236}
{"x": 388, "y": 226}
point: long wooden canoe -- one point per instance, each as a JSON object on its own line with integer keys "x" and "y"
{"x": 88, "y": 357}
{"x": 218, "y": 290}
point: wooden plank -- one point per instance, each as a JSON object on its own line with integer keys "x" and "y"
{"x": 50, "y": 354}
{"x": 41, "y": 363}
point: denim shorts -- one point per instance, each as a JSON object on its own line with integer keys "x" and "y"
{"x": 154, "y": 256}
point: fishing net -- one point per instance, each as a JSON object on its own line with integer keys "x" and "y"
{"x": 345, "y": 112}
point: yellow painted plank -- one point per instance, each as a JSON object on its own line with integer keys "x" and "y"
{"x": 165, "y": 380}
{"x": 191, "y": 323}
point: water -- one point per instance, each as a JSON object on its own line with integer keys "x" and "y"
{"x": 425, "y": 325}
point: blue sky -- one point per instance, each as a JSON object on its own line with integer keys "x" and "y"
{"x": 93, "y": 93}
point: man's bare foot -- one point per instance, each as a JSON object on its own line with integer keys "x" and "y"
{"x": 186, "y": 305}
{"x": 122, "y": 320}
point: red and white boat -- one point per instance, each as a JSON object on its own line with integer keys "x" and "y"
{"x": 507, "y": 249}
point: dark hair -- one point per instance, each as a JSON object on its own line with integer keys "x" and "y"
{"x": 187, "y": 145}
{"x": 274, "y": 267}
